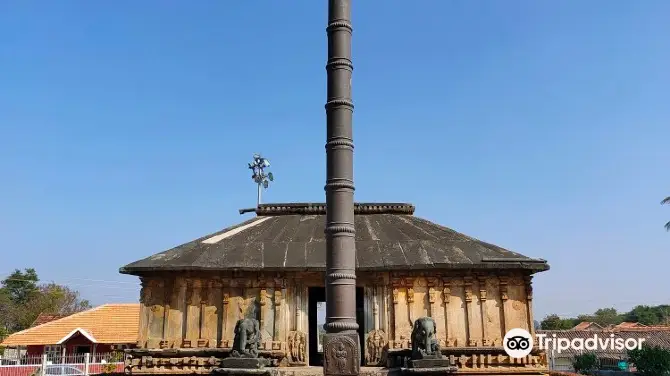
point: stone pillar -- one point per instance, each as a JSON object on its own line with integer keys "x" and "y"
{"x": 446, "y": 295}
{"x": 385, "y": 305}
{"x": 469, "y": 313}
{"x": 505, "y": 319}
{"x": 145, "y": 312}
{"x": 278, "y": 333}
{"x": 529, "y": 303}
{"x": 210, "y": 305}
{"x": 266, "y": 314}
{"x": 482, "y": 303}
{"x": 297, "y": 301}
{"x": 193, "y": 288}
{"x": 226, "y": 325}
{"x": 175, "y": 314}
{"x": 341, "y": 343}
{"x": 376, "y": 322}
{"x": 436, "y": 311}
{"x": 155, "y": 296}
{"x": 396, "y": 315}
{"x": 409, "y": 297}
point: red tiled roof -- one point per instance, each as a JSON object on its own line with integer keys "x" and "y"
{"x": 630, "y": 325}
{"x": 641, "y": 328}
{"x": 584, "y": 325}
{"x": 45, "y": 318}
{"x": 109, "y": 323}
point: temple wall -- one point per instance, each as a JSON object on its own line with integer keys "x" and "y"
{"x": 200, "y": 311}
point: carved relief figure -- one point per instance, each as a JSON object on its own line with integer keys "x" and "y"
{"x": 424, "y": 339}
{"x": 296, "y": 347}
{"x": 247, "y": 339}
{"x": 375, "y": 348}
{"x": 340, "y": 354}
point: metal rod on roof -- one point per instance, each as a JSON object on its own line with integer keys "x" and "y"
{"x": 259, "y": 176}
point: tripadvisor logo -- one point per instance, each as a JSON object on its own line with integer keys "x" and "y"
{"x": 591, "y": 343}
{"x": 518, "y": 343}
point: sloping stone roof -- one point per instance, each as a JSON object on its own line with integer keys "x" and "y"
{"x": 290, "y": 237}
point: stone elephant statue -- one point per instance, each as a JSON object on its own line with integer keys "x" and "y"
{"x": 247, "y": 339}
{"x": 424, "y": 339}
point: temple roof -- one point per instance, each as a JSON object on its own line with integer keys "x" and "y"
{"x": 290, "y": 237}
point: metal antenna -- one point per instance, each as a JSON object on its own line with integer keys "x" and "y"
{"x": 259, "y": 176}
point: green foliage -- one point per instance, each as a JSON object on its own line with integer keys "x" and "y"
{"x": 651, "y": 361}
{"x": 647, "y": 315}
{"x": 650, "y": 315}
{"x": 110, "y": 366}
{"x": 554, "y": 322}
{"x": 586, "y": 364}
{"x": 21, "y": 286}
{"x": 22, "y": 299}
{"x": 3, "y": 333}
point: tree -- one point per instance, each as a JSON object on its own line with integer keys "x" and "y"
{"x": 666, "y": 201}
{"x": 607, "y": 316}
{"x": 56, "y": 299}
{"x": 645, "y": 315}
{"x": 651, "y": 361}
{"x": 586, "y": 364}
{"x": 21, "y": 286}
{"x": 22, "y": 299}
{"x": 554, "y": 322}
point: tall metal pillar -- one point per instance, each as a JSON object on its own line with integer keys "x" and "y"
{"x": 341, "y": 342}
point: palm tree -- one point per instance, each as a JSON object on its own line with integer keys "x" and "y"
{"x": 666, "y": 201}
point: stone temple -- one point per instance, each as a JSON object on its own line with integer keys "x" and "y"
{"x": 272, "y": 268}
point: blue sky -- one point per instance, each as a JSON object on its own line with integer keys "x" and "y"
{"x": 125, "y": 129}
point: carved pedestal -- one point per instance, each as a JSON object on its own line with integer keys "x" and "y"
{"x": 341, "y": 354}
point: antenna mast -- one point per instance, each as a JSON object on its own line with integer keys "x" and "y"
{"x": 259, "y": 176}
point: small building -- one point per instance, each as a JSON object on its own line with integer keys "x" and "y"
{"x": 628, "y": 325}
{"x": 588, "y": 325}
{"x": 272, "y": 268}
{"x": 96, "y": 331}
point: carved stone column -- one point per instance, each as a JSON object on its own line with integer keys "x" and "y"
{"x": 436, "y": 311}
{"x": 341, "y": 343}
{"x": 278, "y": 298}
{"x": 192, "y": 312}
{"x": 396, "y": 315}
{"x": 505, "y": 321}
{"x": 145, "y": 312}
{"x": 155, "y": 295}
{"x": 386, "y": 306}
{"x": 409, "y": 296}
{"x": 486, "y": 341}
{"x": 297, "y": 302}
{"x": 446, "y": 295}
{"x": 210, "y": 306}
{"x": 529, "y": 303}
{"x": 469, "y": 312}
{"x": 226, "y": 325}
{"x": 266, "y": 315}
{"x": 175, "y": 313}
